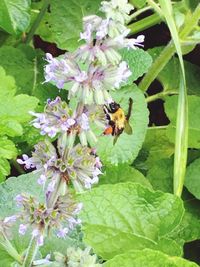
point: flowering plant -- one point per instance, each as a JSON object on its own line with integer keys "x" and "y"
{"x": 90, "y": 73}
{"x": 75, "y": 123}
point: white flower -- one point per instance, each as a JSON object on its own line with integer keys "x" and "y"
{"x": 118, "y": 10}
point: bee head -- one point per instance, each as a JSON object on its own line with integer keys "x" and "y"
{"x": 114, "y": 107}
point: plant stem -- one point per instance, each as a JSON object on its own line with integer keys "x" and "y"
{"x": 168, "y": 52}
{"x": 37, "y": 21}
{"x": 31, "y": 252}
{"x": 157, "y": 66}
{"x": 160, "y": 95}
{"x": 145, "y": 23}
{"x": 10, "y": 249}
{"x": 139, "y": 12}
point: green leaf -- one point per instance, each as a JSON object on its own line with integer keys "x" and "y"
{"x": 7, "y": 148}
{"x": 63, "y": 23}
{"x": 121, "y": 174}
{"x": 188, "y": 230}
{"x": 148, "y": 258}
{"x": 160, "y": 175}
{"x": 10, "y": 127}
{"x": 127, "y": 146}
{"x": 14, "y": 107}
{"x": 4, "y": 168}
{"x": 194, "y": 126}
{"x": 128, "y": 216}
{"x": 138, "y": 61}
{"x": 192, "y": 179}
{"x": 170, "y": 75}
{"x": 158, "y": 145}
{"x": 14, "y": 15}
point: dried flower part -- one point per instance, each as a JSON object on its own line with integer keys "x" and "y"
{"x": 78, "y": 165}
{"x": 81, "y": 258}
{"x": 62, "y": 217}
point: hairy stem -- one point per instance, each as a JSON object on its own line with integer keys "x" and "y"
{"x": 37, "y": 21}
{"x": 31, "y": 252}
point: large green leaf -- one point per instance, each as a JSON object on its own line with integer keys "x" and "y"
{"x": 123, "y": 173}
{"x": 127, "y": 146}
{"x": 138, "y": 61}
{"x": 14, "y": 15}
{"x": 128, "y": 216}
{"x": 192, "y": 179}
{"x": 148, "y": 258}
{"x": 194, "y": 115}
{"x": 63, "y": 23}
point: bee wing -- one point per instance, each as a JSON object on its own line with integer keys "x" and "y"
{"x": 128, "y": 128}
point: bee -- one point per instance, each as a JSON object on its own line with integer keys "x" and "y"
{"x": 117, "y": 120}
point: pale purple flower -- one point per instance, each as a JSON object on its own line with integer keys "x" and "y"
{"x": 22, "y": 229}
{"x": 10, "y": 219}
{"x": 26, "y": 161}
{"x": 40, "y": 238}
{"x": 87, "y": 35}
{"x": 61, "y": 70}
{"x": 42, "y": 179}
{"x": 62, "y": 232}
{"x": 19, "y": 200}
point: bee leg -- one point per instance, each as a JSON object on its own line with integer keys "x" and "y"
{"x": 129, "y": 108}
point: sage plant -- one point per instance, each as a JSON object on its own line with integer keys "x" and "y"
{"x": 89, "y": 74}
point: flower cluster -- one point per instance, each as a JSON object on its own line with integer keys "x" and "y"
{"x": 103, "y": 68}
{"x": 58, "y": 118}
{"x": 61, "y": 216}
{"x": 78, "y": 165}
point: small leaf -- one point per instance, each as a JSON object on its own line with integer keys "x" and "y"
{"x": 194, "y": 126}
{"x": 192, "y": 179}
{"x": 138, "y": 61}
